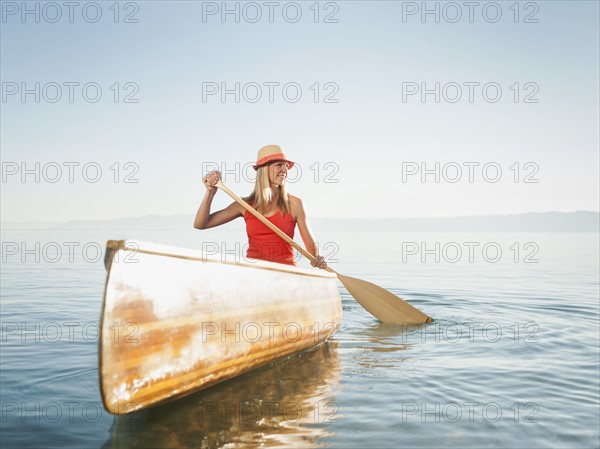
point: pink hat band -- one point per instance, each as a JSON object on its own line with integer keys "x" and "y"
{"x": 271, "y": 153}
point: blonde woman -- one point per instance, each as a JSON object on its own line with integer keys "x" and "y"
{"x": 271, "y": 199}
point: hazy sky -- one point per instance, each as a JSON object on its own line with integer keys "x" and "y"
{"x": 348, "y": 88}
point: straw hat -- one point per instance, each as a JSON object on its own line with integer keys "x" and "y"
{"x": 270, "y": 153}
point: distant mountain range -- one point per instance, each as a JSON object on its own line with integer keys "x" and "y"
{"x": 580, "y": 221}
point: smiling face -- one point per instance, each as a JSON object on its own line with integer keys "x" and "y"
{"x": 278, "y": 171}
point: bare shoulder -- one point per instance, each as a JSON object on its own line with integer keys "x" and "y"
{"x": 235, "y": 206}
{"x": 296, "y": 206}
{"x": 294, "y": 200}
{"x": 296, "y": 203}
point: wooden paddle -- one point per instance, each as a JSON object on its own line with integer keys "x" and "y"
{"x": 381, "y": 303}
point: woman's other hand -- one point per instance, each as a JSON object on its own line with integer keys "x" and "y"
{"x": 211, "y": 179}
{"x": 319, "y": 262}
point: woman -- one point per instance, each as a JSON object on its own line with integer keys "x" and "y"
{"x": 271, "y": 199}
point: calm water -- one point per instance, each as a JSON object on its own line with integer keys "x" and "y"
{"x": 510, "y": 361}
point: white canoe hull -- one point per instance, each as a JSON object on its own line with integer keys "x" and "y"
{"x": 174, "y": 322}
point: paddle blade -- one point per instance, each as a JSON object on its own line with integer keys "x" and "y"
{"x": 381, "y": 303}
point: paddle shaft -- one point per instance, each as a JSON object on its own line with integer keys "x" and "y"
{"x": 267, "y": 223}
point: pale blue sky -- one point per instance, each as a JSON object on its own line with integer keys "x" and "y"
{"x": 369, "y": 133}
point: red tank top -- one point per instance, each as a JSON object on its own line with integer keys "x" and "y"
{"x": 264, "y": 244}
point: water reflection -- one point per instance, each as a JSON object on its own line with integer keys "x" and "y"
{"x": 375, "y": 349}
{"x": 290, "y": 403}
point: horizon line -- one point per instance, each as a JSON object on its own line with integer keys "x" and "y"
{"x": 312, "y": 218}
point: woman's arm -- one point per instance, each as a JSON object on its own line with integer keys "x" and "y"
{"x": 204, "y": 219}
{"x": 306, "y": 233}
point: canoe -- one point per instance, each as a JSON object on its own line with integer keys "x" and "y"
{"x": 175, "y": 321}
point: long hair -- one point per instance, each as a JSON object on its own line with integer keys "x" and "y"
{"x": 262, "y": 194}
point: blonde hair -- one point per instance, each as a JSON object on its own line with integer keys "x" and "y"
{"x": 262, "y": 194}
